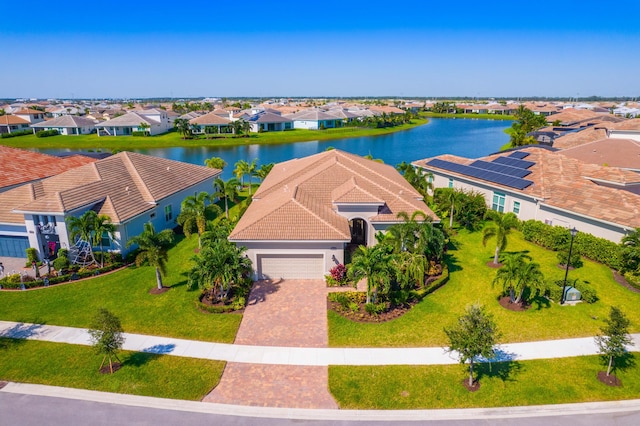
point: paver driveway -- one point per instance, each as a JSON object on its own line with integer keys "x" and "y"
{"x": 281, "y": 313}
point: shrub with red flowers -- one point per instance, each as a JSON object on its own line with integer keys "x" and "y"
{"x": 337, "y": 275}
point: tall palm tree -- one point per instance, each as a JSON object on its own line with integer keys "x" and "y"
{"x": 264, "y": 170}
{"x": 182, "y": 126}
{"x": 82, "y": 228}
{"x": 245, "y": 127}
{"x": 372, "y": 263}
{"x": 517, "y": 274}
{"x": 241, "y": 170}
{"x": 152, "y": 249}
{"x": 452, "y": 199}
{"x": 102, "y": 225}
{"x": 215, "y": 163}
{"x": 500, "y": 229}
{"x": 251, "y": 172}
{"x": 226, "y": 191}
{"x": 193, "y": 214}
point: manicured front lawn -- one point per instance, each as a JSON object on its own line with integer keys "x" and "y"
{"x": 173, "y": 139}
{"x": 125, "y": 293}
{"x": 470, "y": 282}
{"x": 555, "y": 381}
{"x": 75, "y": 366}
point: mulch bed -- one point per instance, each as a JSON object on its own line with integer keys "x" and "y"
{"x": 620, "y": 279}
{"x": 156, "y": 290}
{"x": 609, "y": 380}
{"x": 106, "y": 370}
{"x": 364, "y": 316}
{"x": 505, "y": 302}
{"x": 490, "y": 264}
{"x": 474, "y": 387}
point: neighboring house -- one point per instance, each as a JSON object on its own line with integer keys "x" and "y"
{"x": 130, "y": 188}
{"x": 614, "y": 152}
{"x": 67, "y": 125}
{"x": 12, "y": 124}
{"x": 157, "y": 120}
{"x": 31, "y": 115}
{"x": 308, "y": 211}
{"x": 211, "y": 119}
{"x": 545, "y": 185}
{"x": 628, "y": 129}
{"x": 313, "y": 119}
{"x": 269, "y": 122}
{"x": 69, "y": 110}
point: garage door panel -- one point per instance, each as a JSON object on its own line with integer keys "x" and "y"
{"x": 13, "y": 246}
{"x": 291, "y": 266}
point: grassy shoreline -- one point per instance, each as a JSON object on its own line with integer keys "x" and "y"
{"x": 174, "y": 139}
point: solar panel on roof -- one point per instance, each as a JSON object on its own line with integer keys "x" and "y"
{"x": 501, "y": 168}
{"x": 514, "y": 162}
{"x": 488, "y": 175}
{"x": 519, "y": 154}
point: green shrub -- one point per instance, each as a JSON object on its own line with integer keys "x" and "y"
{"x": 16, "y": 133}
{"x": 588, "y": 293}
{"x": 576, "y": 260}
{"x": 558, "y": 238}
{"x": 140, "y": 133}
{"x": 47, "y": 133}
{"x": 61, "y": 263}
{"x": 554, "y": 290}
{"x": 375, "y": 309}
{"x": 32, "y": 255}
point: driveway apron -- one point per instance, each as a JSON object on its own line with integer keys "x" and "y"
{"x": 280, "y": 313}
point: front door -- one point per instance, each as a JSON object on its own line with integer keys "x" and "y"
{"x": 358, "y": 232}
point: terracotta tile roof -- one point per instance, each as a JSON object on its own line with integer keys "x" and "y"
{"x": 587, "y": 135}
{"x": 570, "y": 184}
{"x": 632, "y": 124}
{"x": 28, "y": 111}
{"x": 122, "y": 186}
{"x": 623, "y": 153}
{"x": 6, "y": 120}
{"x": 303, "y": 192}
{"x": 21, "y": 166}
{"x": 211, "y": 118}
{"x": 570, "y": 115}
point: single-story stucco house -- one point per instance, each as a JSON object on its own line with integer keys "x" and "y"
{"x": 67, "y": 125}
{"x": 130, "y": 188}
{"x": 308, "y": 211}
{"x": 156, "y": 121}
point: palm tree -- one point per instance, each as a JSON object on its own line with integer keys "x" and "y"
{"x": 152, "y": 249}
{"x": 182, "y": 125}
{"x": 226, "y": 191}
{"x": 245, "y": 127}
{"x": 82, "y": 228}
{"x": 215, "y": 163}
{"x": 452, "y": 198}
{"x": 236, "y": 127}
{"x": 372, "y": 263}
{"x": 102, "y": 225}
{"x": 193, "y": 214}
{"x": 501, "y": 228}
{"x": 251, "y": 172}
{"x": 264, "y": 170}
{"x": 144, "y": 127}
{"x": 631, "y": 251}
{"x": 517, "y": 274}
{"x": 242, "y": 168}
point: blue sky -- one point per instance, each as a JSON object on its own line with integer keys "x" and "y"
{"x": 323, "y": 48}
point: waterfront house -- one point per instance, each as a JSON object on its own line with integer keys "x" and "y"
{"x": 67, "y": 125}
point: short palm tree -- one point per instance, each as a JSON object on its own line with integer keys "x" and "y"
{"x": 226, "y": 191}
{"x": 193, "y": 214}
{"x": 152, "y": 249}
{"x": 215, "y": 163}
{"x": 500, "y": 229}
{"x": 264, "y": 170}
{"x": 102, "y": 225}
{"x": 517, "y": 274}
{"x": 83, "y": 228}
{"x": 374, "y": 264}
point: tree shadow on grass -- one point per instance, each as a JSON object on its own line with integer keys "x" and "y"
{"x": 452, "y": 263}
{"x": 181, "y": 283}
{"x": 138, "y": 359}
{"x": 503, "y": 366}
{"x": 7, "y": 343}
{"x": 621, "y": 363}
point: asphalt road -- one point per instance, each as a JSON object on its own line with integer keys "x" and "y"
{"x": 31, "y": 410}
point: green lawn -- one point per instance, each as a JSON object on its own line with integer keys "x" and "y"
{"x": 470, "y": 282}
{"x": 555, "y": 381}
{"x": 125, "y": 293}
{"x": 173, "y": 139}
{"x": 75, "y": 366}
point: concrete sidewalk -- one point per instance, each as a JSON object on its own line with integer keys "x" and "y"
{"x": 303, "y": 356}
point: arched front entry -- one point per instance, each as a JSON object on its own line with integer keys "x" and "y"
{"x": 358, "y": 229}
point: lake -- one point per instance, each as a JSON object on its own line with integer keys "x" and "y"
{"x": 464, "y": 137}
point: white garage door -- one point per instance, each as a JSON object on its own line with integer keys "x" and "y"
{"x": 300, "y": 266}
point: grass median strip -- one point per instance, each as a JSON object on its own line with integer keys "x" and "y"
{"x": 75, "y": 366}
{"x": 553, "y": 381}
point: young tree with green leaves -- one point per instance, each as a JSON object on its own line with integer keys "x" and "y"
{"x": 502, "y": 225}
{"x": 473, "y": 336}
{"x": 106, "y": 336}
{"x": 614, "y": 338}
{"x": 152, "y": 249}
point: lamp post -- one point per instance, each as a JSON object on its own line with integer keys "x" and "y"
{"x": 574, "y": 231}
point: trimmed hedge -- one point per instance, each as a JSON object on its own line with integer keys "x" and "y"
{"x": 558, "y": 238}
{"x": 15, "y": 134}
{"x": 47, "y": 133}
{"x": 13, "y": 281}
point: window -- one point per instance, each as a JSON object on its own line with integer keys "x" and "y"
{"x": 498, "y": 202}
{"x": 168, "y": 215}
{"x": 516, "y": 207}
{"x": 450, "y": 182}
{"x": 106, "y": 241}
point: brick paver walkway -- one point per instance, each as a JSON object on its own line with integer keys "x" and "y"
{"x": 281, "y": 313}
